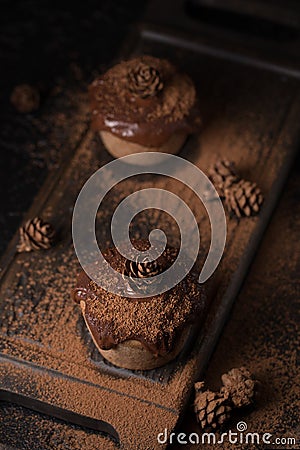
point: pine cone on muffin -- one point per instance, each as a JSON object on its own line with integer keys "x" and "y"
{"x": 144, "y": 105}
{"x": 141, "y": 269}
{"x": 134, "y": 332}
{"x": 144, "y": 81}
{"x": 136, "y": 271}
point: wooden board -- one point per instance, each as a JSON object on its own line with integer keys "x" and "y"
{"x": 48, "y": 360}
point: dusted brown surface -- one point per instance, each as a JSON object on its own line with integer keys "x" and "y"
{"x": 261, "y": 334}
{"x": 244, "y": 117}
{"x": 156, "y": 322}
{"x": 51, "y": 330}
{"x": 149, "y": 120}
{"x": 263, "y": 331}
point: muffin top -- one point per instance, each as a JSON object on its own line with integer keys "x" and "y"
{"x": 155, "y": 321}
{"x": 144, "y": 100}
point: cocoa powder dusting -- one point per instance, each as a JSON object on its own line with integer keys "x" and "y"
{"x": 263, "y": 335}
{"x": 154, "y": 321}
{"x": 47, "y": 433}
{"x": 144, "y": 114}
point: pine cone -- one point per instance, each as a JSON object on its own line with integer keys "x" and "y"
{"x": 136, "y": 270}
{"x": 25, "y": 98}
{"x": 212, "y": 408}
{"x": 223, "y": 175}
{"x": 144, "y": 81}
{"x": 35, "y": 235}
{"x": 141, "y": 269}
{"x": 239, "y": 386}
{"x": 243, "y": 198}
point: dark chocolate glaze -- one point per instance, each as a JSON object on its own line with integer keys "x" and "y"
{"x": 156, "y": 321}
{"x": 147, "y": 121}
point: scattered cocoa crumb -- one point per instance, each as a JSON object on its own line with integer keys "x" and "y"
{"x": 25, "y": 429}
{"x": 25, "y": 98}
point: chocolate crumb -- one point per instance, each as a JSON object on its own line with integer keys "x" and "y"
{"x": 25, "y": 98}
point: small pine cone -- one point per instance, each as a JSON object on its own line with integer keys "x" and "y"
{"x": 239, "y": 386}
{"x": 212, "y": 408}
{"x": 223, "y": 175}
{"x": 141, "y": 269}
{"x": 145, "y": 81}
{"x": 35, "y": 235}
{"x": 243, "y": 198}
{"x": 25, "y": 98}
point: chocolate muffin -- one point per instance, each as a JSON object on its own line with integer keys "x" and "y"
{"x": 144, "y": 104}
{"x": 140, "y": 333}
